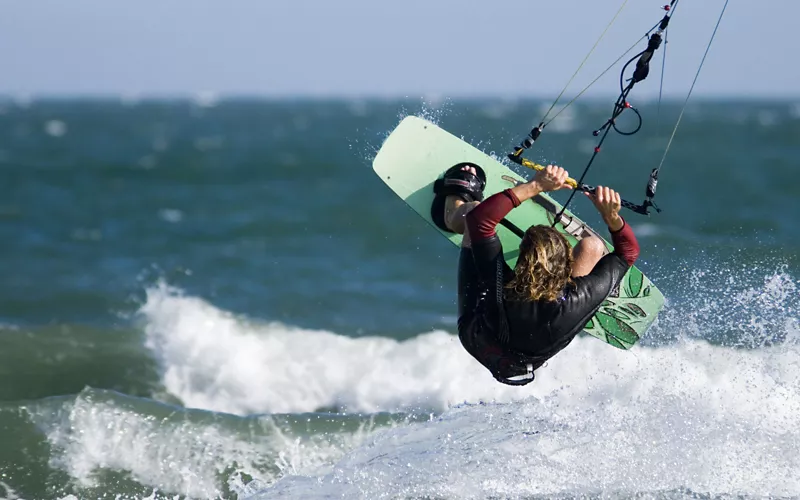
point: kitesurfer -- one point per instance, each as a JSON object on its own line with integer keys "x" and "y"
{"x": 512, "y": 321}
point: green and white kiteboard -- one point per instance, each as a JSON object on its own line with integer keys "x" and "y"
{"x": 418, "y": 152}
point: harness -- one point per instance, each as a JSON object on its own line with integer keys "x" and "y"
{"x": 486, "y": 339}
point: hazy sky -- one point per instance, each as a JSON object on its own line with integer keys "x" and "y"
{"x": 384, "y": 48}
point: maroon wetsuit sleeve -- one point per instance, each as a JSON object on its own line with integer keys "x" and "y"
{"x": 487, "y": 250}
{"x": 483, "y": 219}
{"x": 625, "y": 244}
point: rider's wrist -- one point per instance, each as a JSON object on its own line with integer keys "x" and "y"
{"x": 526, "y": 191}
{"x": 614, "y": 223}
{"x": 535, "y": 188}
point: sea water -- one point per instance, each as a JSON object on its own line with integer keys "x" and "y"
{"x": 222, "y": 300}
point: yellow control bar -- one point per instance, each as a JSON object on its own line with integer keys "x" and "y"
{"x": 535, "y": 166}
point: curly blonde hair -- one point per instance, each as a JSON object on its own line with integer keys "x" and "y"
{"x": 544, "y": 266}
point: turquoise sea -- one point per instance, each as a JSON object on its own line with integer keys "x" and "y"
{"x": 220, "y": 299}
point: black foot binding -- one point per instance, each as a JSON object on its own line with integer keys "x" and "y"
{"x": 457, "y": 182}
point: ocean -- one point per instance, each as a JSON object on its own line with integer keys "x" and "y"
{"x": 219, "y": 299}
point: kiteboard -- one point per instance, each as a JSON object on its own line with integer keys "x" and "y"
{"x": 418, "y": 152}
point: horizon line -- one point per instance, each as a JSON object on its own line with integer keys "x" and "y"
{"x": 213, "y": 96}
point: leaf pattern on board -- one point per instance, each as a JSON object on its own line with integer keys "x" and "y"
{"x": 616, "y": 343}
{"x": 634, "y": 310}
{"x": 633, "y": 285}
{"x": 617, "y": 328}
{"x": 617, "y": 313}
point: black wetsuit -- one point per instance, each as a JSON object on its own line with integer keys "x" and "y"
{"x": 514, "y": 338}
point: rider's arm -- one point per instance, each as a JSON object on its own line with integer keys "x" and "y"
{"x": 481, "y": 226}
{"x": 589, "y": 292}
{"x": 608, "y": 203}
{"x": 609, "y": 271}
{"x": 482, "y": 221}
{"x": 625, "y": 244}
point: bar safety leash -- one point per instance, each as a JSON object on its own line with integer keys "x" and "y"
{"x": 641, "y": 71}
{"x": 655, "y": 35}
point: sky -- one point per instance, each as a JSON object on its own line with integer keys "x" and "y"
{"x": 377, "y": 48}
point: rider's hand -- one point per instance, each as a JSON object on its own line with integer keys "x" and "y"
{"x": 608, "y": 202}
{"x": 552, "y": 178}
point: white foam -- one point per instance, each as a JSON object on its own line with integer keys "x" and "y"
{"x": 55, "y": 128}
{"x": 179, "y": 454}
{"x": 685, "y": 416}
{"x": 744, "y": 305}
{"x": 215, "y": 361}
{"x": 171, "y": 215}
{"x": 8, "y": 493}
{"x": 693, "y": 417}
